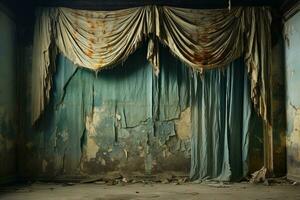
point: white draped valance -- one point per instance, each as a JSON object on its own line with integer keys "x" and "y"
{"x": 203, "y": 39}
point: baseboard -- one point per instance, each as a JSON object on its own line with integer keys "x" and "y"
{"x": 293, "y": 177}
{"x": 6, "y": 180}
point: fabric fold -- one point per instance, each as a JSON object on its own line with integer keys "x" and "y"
{"x": 220, "y": 124}
{"x": 202, "y": 39}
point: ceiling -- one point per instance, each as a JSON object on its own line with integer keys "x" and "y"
{"x": 117, "y": 4}
{"x": 24, "y": 10}
{"x": 18, "y": 5}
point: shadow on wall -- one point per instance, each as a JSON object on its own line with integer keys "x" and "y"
{"x": 7, "y": 98}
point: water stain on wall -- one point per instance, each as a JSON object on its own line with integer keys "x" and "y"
{"x": 293, "y": 143}
{"x": 183, "y": 126}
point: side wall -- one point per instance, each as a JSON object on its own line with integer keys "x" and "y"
{"x": 7, "y": 97}
{"x": 292, "y": 51}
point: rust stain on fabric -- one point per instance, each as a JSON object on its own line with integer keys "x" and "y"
{"x": 202, "y": 58}
{"x": 89, "y": 53}
{"x": 92, "y": 40}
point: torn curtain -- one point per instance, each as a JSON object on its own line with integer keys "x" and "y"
{"x": 202, "y": 39}
{"x": 83, "y": 104}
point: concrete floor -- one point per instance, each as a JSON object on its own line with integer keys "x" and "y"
{"x": 139, "y": 191}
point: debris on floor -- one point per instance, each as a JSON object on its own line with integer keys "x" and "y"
{"x": 158, "y": 191}
{"x": 118, "y": 179}
{"x": 259, "y": 176}
{"x": 295, "y": 183}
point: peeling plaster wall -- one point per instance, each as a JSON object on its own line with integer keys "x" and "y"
{"x": 292, "y": 40}
{"x": 123, "y": 120}
{"x": 7, "y": 98}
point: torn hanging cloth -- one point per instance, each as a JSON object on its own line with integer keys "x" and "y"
{"x": 202, "y": 39}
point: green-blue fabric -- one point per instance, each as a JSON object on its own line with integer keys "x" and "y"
{"x": 221, "y": 112}
{"x": 144, "y": 102}
{"x": 219, "y": 102}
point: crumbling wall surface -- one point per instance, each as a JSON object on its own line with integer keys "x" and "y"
{"x": 292, "y": 40}
{"x": 7, "y": 98}
{"x": 123, "y": 120}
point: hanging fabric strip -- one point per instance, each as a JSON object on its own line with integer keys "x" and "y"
{"x": 203, "y": 39}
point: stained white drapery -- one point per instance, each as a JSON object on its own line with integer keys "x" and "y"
{"x": 203, "y": 39}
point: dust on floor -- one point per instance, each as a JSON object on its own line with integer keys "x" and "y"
{"x": 147, "y": 191}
